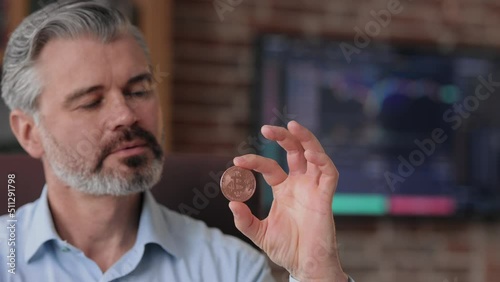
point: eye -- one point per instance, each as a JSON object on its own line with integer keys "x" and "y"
{"x": 92, "y": 105}
{"x": 140, "y": 93}
{"x": 140, "y": 89}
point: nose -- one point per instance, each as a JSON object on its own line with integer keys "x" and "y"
{"x": 121, "y": 113}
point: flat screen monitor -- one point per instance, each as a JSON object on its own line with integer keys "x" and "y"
{"x": 411, "y": 129}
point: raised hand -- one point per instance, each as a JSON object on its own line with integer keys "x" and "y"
{"x": 299, "y": 232}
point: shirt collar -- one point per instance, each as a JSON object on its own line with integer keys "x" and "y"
{"x": 153, "y": 226}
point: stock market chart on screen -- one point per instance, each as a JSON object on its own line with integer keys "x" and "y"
{"x": 408, "y": 128}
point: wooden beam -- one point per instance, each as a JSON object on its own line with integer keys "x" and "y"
{"x": 155, "y": 21}
{"x": 17, "y": 10}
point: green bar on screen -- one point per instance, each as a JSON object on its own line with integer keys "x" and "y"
{"x": 360, "y": 204}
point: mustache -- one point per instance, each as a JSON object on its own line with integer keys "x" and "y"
{"x": 133, "y": 133}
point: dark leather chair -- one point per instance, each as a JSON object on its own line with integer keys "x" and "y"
{"x": 189, "y": 184}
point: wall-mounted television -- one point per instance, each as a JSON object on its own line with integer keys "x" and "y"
{"x": 413, "y": 130}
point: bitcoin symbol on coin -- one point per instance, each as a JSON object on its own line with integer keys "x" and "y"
{"x": 238, "y": 184}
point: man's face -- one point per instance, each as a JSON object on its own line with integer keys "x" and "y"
{"x": 99, "y": 115}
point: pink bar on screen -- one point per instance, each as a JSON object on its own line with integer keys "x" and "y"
{"x": 422, "y": 205}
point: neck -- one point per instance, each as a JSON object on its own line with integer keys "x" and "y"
{"x": 103, "y": 227}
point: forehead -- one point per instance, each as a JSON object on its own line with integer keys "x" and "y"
{"x": 66, "y": 64}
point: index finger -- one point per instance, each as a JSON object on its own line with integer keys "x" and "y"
{"x": 306, "y": 138}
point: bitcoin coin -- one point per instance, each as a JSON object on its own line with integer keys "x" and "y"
{"x": 238, "y": 184}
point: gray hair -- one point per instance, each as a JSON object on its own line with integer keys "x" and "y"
{"x": 21, "y": 85}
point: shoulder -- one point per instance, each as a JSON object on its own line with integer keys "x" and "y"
{"x": 21, "y": 214}
{"x": 18, "y": 217}
{"x": 209, "y": 247}
{"x": 196, "y": 232}
{"x": 15, "y": 224}
{"x": 195, "y": 236}
{"x": 16, "y": 221}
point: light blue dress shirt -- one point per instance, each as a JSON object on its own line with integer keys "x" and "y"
{"x": 169, "y": 247}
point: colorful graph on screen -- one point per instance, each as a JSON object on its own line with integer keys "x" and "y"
{"x": 388, "y": 119}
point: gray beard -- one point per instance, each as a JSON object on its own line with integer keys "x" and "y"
{"x": 110, "y": 183}
{"x": 70, "y": 168}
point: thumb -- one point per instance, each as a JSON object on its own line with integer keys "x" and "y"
{"x": 247, "y": 223}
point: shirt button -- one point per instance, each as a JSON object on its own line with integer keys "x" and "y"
{"x": 65, "y": 248}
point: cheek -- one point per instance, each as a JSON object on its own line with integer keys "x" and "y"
{"x": 78, "y": 146}
{"x": 84, "y": 147}
{"x": 151, "y": 116}
{"x": 82, "y": 141}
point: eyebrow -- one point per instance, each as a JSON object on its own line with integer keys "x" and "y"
{"x": 80, "y": 93}
{"x": 147, "y": 76}
{"x": 88, "y": 90}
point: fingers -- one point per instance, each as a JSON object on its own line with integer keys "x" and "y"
{"x": 308, "y": 141}
{"x": 304, "y": 153}
{"x": 247, "y": 223}
{"x": 329, "y": 173}
{"x": 305, "y": 137}
{"x": 295, "y": 140}
{"x": 295, "y": 152}
{"x": 271, "y": 171}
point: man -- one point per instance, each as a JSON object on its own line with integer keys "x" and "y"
{"x": 82, "y": 67}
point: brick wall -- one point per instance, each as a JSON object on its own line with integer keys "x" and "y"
{"x": 213, "y": 69}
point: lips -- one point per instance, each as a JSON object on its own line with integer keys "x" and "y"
{"x": 129, "y": 146}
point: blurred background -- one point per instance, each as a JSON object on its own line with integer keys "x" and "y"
{"x": 402, "y": 94}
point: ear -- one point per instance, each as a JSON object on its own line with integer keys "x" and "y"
{"x": 26, "y": 132}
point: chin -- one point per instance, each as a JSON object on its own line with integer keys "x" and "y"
{"x": 136, "y": 161}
